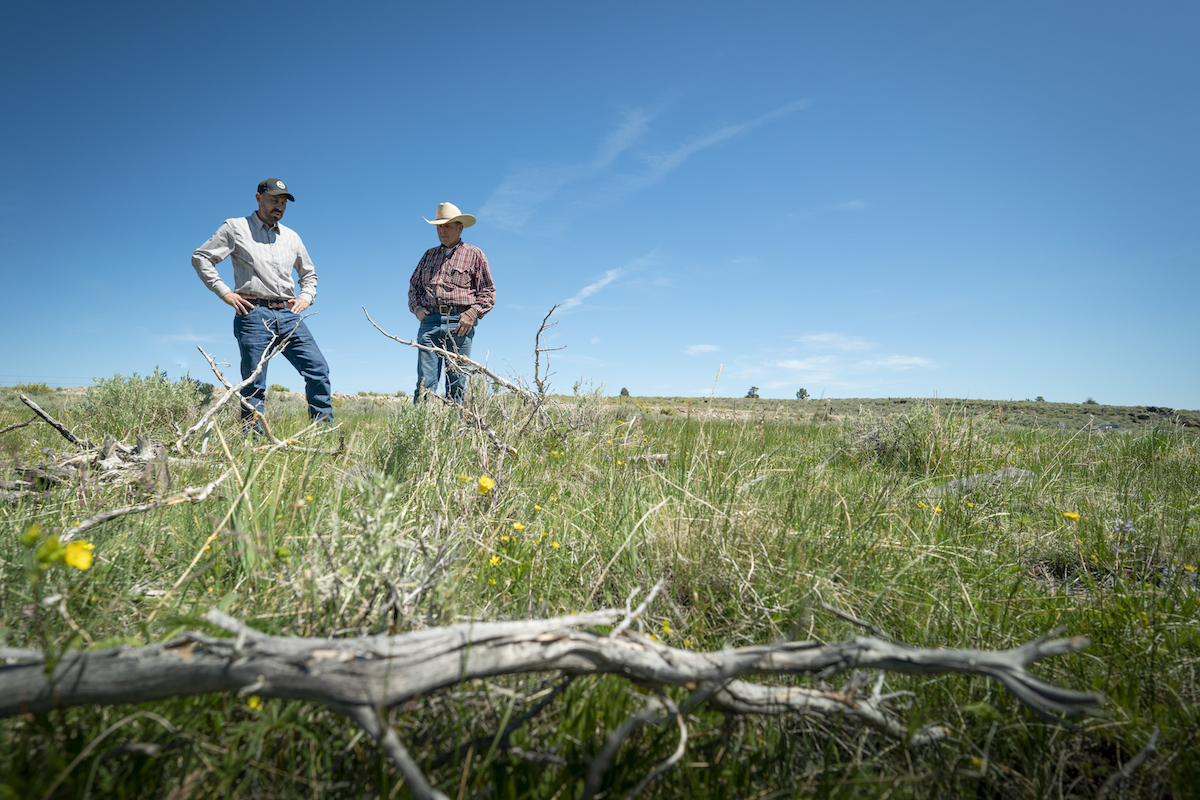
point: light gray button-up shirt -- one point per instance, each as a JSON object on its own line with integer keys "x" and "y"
{"x": 263, "y": 260}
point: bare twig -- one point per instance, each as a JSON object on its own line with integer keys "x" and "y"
{"x": 58, "y": 426}
{"x": 195, "y": 494}
{"x": 1130, "y": 766}
{"x": 14, "y": 426}
{"x": 461, "y": 363}
{"x": 538, "y": 350}
{"x": 267, "y": 355}
{"x": 600, "y": 764}
{"x": 624, "y": 624}
{"x": 862, "y": 623}
{"x": 674, "y": 758}
{"x": 371, "y": 721}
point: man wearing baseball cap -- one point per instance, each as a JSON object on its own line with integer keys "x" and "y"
{"x": 266, "y": 308}
{"x": 449, "y": 292}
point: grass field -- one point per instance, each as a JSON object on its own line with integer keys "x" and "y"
{"x": 763, "y": 511}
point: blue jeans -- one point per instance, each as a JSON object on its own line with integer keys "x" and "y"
{"x": 437, "y": 330}
{"x": 264, "y": 327}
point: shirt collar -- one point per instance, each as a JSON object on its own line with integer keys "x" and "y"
{"x": 255, "y": 219}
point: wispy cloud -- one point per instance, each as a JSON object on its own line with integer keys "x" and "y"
{"x": 851, "y": 205}
{"x": 806, "y": 364}
{"x": 530, "y": 185}
{"x": 697, "y": 349}
{"x": 834, "y": 341}
{"x": 826, "y": 361}
{"x": 899, "y": 362}
{"x": 187, "y": 337}
{"x": 609, "y": 277}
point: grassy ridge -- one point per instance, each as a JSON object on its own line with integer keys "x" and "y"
{"x": 756, "y": 519}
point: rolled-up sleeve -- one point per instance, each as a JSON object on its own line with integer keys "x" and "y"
{"x": 213, "y": 252}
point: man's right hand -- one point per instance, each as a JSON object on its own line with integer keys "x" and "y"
{"x": 421, "y": 313}
{"x": 240, "y": 304}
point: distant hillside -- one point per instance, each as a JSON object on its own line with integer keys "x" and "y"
{"x": 1024, "y": 413}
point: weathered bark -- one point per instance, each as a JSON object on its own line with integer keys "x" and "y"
{"x": 382, "y": 671}
{"x": 360, "y": 677}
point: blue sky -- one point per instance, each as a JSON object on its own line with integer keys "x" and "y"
{"x": 865, "y": 199}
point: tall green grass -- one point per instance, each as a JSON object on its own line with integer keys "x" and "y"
{"x": 755, "y": 524}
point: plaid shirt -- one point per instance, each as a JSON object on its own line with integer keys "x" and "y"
{"x": 465, "y": 279}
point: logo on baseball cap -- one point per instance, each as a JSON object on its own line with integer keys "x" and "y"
{"x": 276, "y": 187}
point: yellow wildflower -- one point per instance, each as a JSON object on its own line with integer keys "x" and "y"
{"x": 486, "y": 484}
{"x": 308, "y": 497}
{"x": 504, "y": 538}
{"x": 1189, "y": 567}
{"x": 555, "y": 544}
{"x": 79, "y": 554}
{"x": 517, "y": 526}
{"x": 922, "y": 505}
{"x": 495, "y": 561}
{"x": 464, "y": 478}
{"x": 1070, "y": 515}
{"x": 492, "y": 581}
{"x": 537, "y": 508}
{"x": 254, "y": 703}
{"x": 666, "y": 626}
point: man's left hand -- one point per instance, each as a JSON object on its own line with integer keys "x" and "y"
{"x": 297, "y": 305}
{"x": 466, "y": 321}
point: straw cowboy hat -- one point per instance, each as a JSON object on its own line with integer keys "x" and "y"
{"x": 448, "y": 212}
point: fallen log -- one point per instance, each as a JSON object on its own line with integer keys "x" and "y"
{"x": 361, "y": 676}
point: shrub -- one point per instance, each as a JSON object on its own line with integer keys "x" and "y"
{"x": 31, "y": 388}
{"x": 407, "y": 442}
{"x": 275, "y": 387}
{"x": 1089, "y": 402}
{"x": 126, "y": 406}
{"x": 624, "y": 392}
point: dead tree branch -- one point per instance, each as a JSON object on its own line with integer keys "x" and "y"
{"x": 267, "y": 355}
{"x": 382, "y": 671}
{"x": 195, "y": 494}
{"x": 538, "y": 350}
{"x": 58, "y": 426}
{"x": 461, "y": 363}
{"x": 1130, "y": 766}
{"x": 15, "y": 425}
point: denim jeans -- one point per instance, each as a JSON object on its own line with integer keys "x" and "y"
{"x": 437, "y": 330}
{"x": 263, "y": 327}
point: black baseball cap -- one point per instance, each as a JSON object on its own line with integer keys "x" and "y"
{"x": 276, "y": 187}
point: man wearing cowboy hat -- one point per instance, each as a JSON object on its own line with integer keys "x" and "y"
{"x": 266, "y": 308}
{"x": 449, "y": 292}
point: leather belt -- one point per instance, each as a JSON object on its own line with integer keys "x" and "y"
{"x": 258, "y": 301}
{"x": 448, "y": 309}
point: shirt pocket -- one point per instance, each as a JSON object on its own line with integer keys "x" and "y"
{"x": 459, "y": 277}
